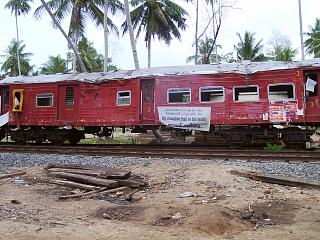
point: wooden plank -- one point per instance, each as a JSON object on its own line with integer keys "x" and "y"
{"x": 85, "y": 179}
{"x": 95, "y": 193}
{"x": 109, "y": 173}
{"x": 281, "y": 180}
{"x": 77, "y": 171}
{"x": 133, "y": 183}
{"x": 73, "y": 184}
{"x": 10, "y": 175}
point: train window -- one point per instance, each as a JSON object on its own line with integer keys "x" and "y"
{"x": 6, "y": 96}
{"x": 17, "y": 95}
{"x": 70, "y": 96}
{"x": 148, "y": 93}
{"x": 45, "y": 100}
{"x": 179, "y": 95}
{"x": 246, "y": 94}
{"x": 123, "y": 98}
{"x": 211, "y": 94}
{"x": 314, "y": 78}
{"x": 278, "y": 92}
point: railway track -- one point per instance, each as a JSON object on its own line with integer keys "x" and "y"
{"x": 167, "y": 151}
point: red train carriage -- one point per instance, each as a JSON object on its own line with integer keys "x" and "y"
{"x": 239, "y": 102}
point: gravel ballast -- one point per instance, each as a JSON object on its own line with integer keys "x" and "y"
{"x": 309, "y": 171}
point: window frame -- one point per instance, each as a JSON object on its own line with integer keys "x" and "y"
{"x": 189, "y": 90}
{"x": 121, "y": 105}
{"x": 223, "y": 94}
{"x": 245, "y": 86}
{"x": 51, "y": 94}
{"x": 73, "y": 96}
{"x": 277, "y": 84}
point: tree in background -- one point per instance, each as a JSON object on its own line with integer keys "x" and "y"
{"x": 284, "y": 53}
{"x": 248, "y": 49}
{"x": 216, "y": 11}
{"x": 80, "y": 11}
{"x": 55, "y": 64}
{"x": 162, "y": 19}
{"x": 89, "y": 55}
{"x": 204, "y": 52}
{"x": 281, "y": 49}
{"x": 10, "y": 65}
{"x": 18, "y": 7}
{"x": 313, "y": 41}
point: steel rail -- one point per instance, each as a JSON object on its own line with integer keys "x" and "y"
{"x": 167, "y": 151}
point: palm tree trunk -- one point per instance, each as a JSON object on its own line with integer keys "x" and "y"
{"x": 196, "y": 33}
{"x": 131, "y": 34}
{"x": 18, "y": 45}
{"x": 105, "y": 24}
{"x": 82, "y": 67}
{"x": 149, "y": 52}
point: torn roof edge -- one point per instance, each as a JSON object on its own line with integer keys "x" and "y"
{"x": 246, "y": 67}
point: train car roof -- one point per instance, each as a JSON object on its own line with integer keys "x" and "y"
{"x": 246, "y": 67}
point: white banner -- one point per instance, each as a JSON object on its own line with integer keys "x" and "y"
{"x": 4, "y": 119}
{"x": 310, "y": 84}
{"x": 191, "y": 118}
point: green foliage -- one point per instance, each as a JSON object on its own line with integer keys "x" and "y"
{"x": 285, "y": 53}
{"x": 92, "y": 60}
{"x": 18, "y": 7}
{"x": 161, "y": 19}
{"x": 55, "y": 64}
{"x": 118, "y": 140}
{"x": 81, "y": 11}
{"x": 313, "y": 41}
{"x": 248, "y": 49}
{"x": 204, "y": 49}
{"x": 281, "y": 47}
{"x": 275, "y": 147}
{"x": 10, "y": 65}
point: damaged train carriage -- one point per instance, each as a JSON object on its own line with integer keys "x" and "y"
{"x": 241, "y": 102}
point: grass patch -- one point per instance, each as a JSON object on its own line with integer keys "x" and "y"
{"x": 118, "y": 140}
{"x": 275, "y": 147}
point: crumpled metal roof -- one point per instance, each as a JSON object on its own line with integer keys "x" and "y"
{"x": 246, "y": 67}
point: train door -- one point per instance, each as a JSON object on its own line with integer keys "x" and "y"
{"x": 312, "y": 80}
{"x": 147, "y": 101}
{"x": 67, "y": 102}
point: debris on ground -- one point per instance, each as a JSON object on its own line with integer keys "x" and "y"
{"x": 10, "y": 175}
{"x": 281, "y": 180}
{"x": 190, "y": 194}
{"x": 92, "y": 181}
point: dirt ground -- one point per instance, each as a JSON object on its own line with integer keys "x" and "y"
{"x": 31, "y": 209}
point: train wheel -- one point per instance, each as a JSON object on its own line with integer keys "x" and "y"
{"x": 57, "y": 141}
{"x": 74, "y": 139}
{"x": 2, "y": 134}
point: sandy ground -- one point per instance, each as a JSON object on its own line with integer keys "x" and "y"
{"x": 221, "y": 212}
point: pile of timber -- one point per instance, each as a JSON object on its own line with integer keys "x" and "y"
{"x": 94, "y": 181}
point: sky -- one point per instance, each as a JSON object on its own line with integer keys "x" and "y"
{"x": 258, "y": 16}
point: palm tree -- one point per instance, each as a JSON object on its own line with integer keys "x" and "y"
{"x": 204, "y": 51}
{"x": 313, "y": 42}
{"x": 248, "y": 49}
{"x": 131, "y": 35}
{"x": 285, "y": 53}
{"x": 10, "y": 65}
{"x": 55, "y": 64}
{"x": 89, "y": 55}
{"x": 18, "y": 7}
{"x": 58, "y": 25}
{"x": 161, "y": 18}
{"x": 80, "y": 11}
